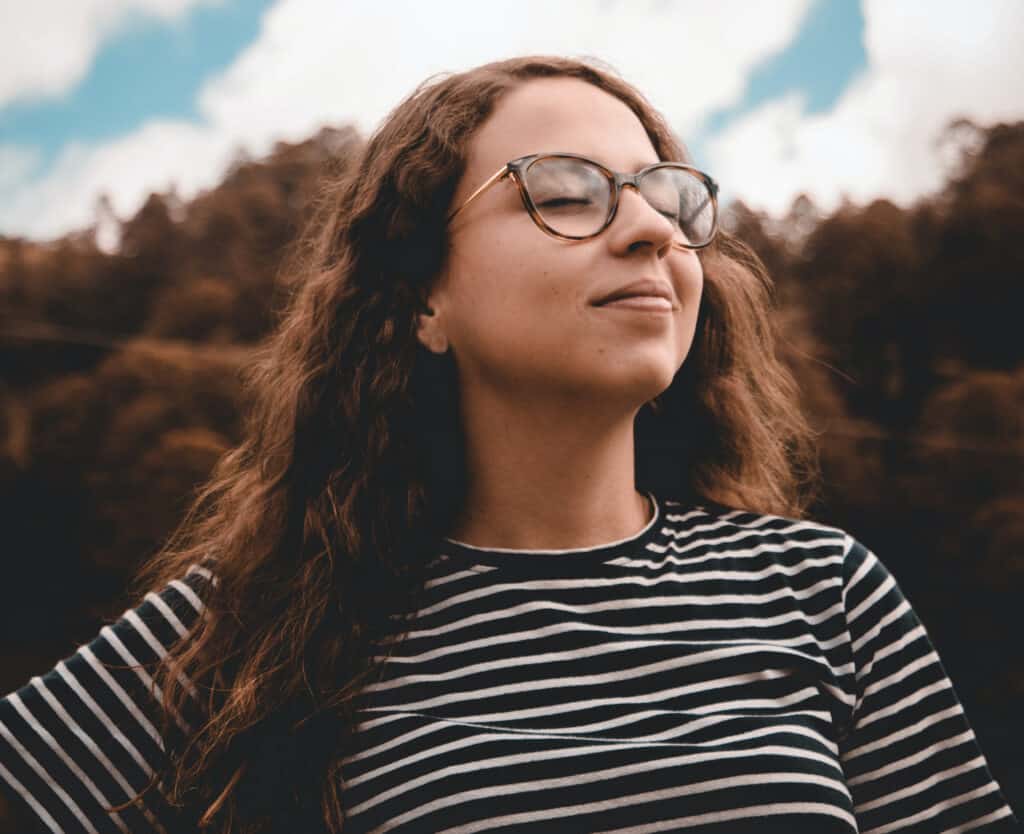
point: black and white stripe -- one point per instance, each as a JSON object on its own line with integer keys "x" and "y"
{"x": 720, "y": 671}
{"x": 717, "y": 672}
{"x": 85, "y": 735}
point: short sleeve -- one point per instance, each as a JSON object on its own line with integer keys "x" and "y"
{"x": 911, "y": 759}
{"x": 86, "y": 735}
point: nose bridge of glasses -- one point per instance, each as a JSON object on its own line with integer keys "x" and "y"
{"x": 622, "y": 180}
{"x": 633, "y": 181}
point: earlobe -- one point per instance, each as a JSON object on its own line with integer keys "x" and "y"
{"x": 429, "y": 332}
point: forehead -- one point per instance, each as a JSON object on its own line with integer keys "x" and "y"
{"x": 559, "y": 114}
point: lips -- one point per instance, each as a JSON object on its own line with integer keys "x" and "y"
{"x": 641, "y": 288}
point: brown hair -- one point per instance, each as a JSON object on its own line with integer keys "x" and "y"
{"x": 320, "y": 522}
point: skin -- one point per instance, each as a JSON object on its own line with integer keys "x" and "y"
{"x": 550, "y": 385}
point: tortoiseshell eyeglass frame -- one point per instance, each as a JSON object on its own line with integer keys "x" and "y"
{"x": 517, "y": 168}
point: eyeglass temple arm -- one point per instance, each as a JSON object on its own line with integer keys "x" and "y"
{"x": 712, "y": 192}
{"x": 699, "y": 209}
{"x": 493, "y": 179}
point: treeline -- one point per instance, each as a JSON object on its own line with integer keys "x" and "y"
{"x": 119, "y": 390}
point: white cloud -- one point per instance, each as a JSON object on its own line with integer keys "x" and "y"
{"x": 327, "y": 61}
{"x": 928, "y": 63}
{"x": 321, "y": 60}
{"x": 160, "y": 155}
{"x": 47, "y": 46}
{"x": 17, "y": 163}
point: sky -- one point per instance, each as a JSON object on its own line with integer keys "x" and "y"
{"x": 836, "y": 99}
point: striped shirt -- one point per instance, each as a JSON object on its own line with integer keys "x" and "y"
{"x": 719, "y": 671}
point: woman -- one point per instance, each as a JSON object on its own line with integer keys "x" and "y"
{"x": 515, "y": 540}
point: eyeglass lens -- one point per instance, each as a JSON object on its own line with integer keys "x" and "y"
{"x": 573, "y": 197}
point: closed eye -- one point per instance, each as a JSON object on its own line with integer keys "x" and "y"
{"x": 559, "y": 202}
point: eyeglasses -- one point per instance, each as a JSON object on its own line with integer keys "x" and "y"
{"x": 571, "y": 197}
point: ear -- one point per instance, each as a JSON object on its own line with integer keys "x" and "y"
{"x": 429, "y": 330}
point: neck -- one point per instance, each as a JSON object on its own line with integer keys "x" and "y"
{"x": 539, "y": 480}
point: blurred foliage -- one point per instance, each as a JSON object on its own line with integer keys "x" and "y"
{"x": 119, "y": 385}
{"x": 119, "y": 391}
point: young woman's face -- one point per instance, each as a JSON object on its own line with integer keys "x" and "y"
{"x": 516, "y": 305}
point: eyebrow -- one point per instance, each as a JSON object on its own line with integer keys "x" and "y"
{"x": 632, "y": 170}
{"x": 636, "y": 167}
{"x": 643, "y": 165}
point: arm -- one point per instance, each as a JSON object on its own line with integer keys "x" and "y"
{"x": 912, "y": 761}
{"x": 87, "y": 734}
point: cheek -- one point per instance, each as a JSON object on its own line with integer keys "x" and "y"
{"x": 475, "y": 280}
{"x": 691, "y": 288}
{"x": 512, "y": 274}
{"x": 486, "y": 305}
{"x": 693, "y": 280}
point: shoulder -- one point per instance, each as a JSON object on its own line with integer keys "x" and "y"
{"x": 753, "y": 538}
{"x": 165, "y": 614}
{"x": 182, "y": 599}
{"x": 741, "y": 529}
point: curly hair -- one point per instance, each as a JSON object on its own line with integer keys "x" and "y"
{"x": 318, "y": 525}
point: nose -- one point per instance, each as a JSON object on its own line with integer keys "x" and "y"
{"x": 636, "y": 221}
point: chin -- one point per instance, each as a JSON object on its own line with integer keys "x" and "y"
{"x": 646, "y": 384}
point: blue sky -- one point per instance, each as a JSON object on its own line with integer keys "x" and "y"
{"x": 821, "y": 61}
{"x": 151, "y": 68}
{"x": 198, "y": 78}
